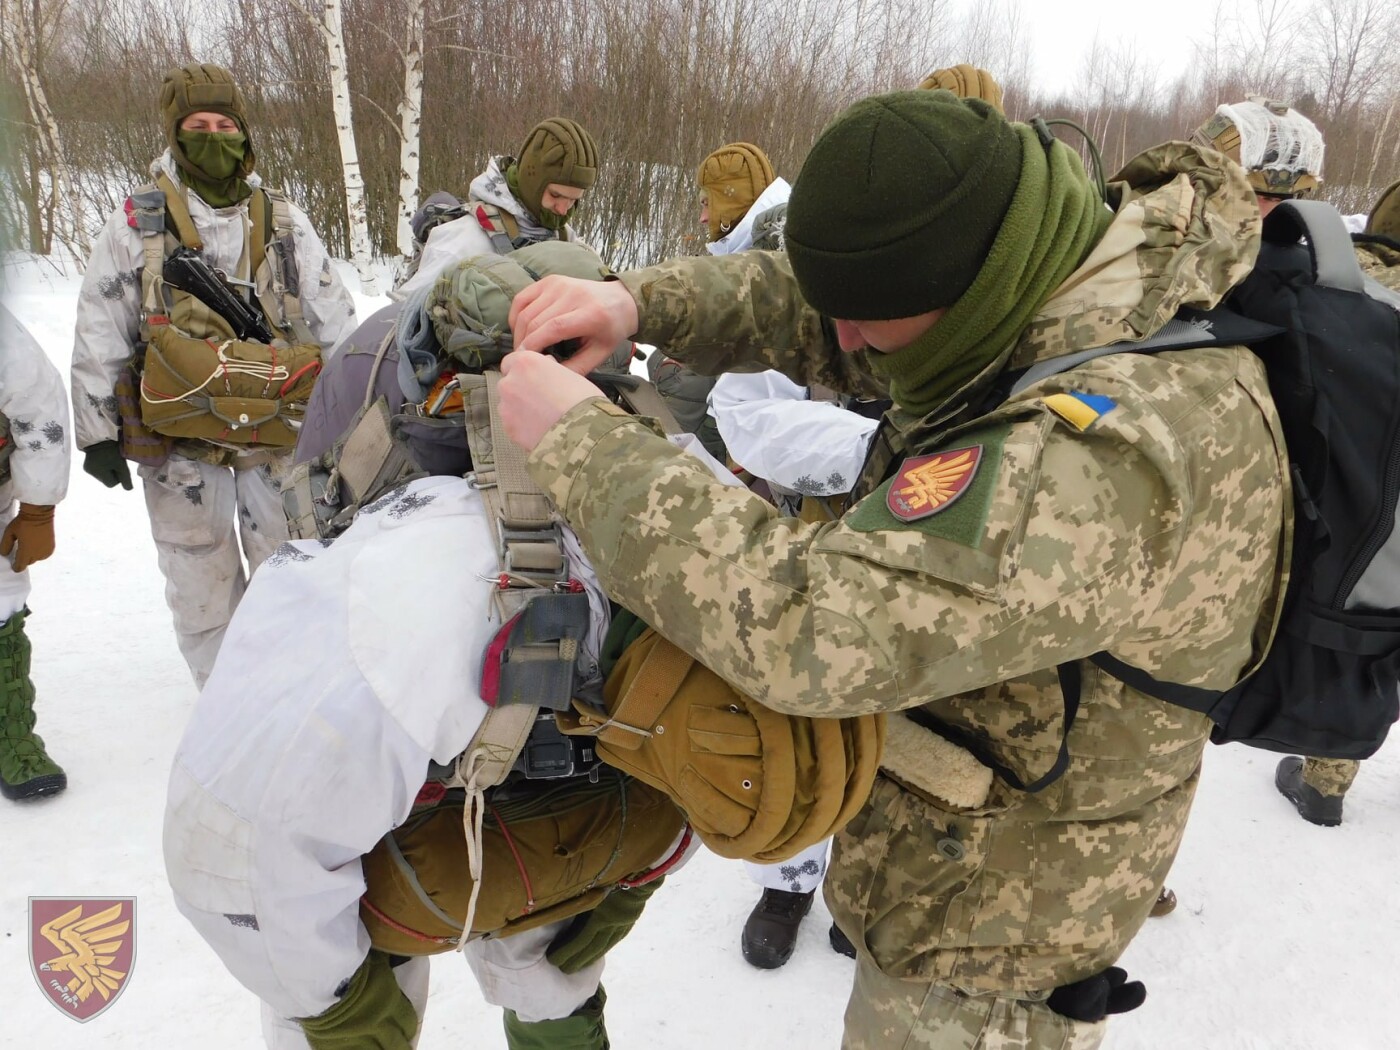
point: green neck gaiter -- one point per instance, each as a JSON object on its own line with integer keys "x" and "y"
{"x": 546, "y": 218}
{"x": 1055, "y": 218}
{"x": 211, "y": 165}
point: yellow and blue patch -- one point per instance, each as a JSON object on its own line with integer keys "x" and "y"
{"x": 1080, "y": 411}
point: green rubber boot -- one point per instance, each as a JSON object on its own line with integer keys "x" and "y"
{"x": 26, "y": 771}
{"x": 581, "y": 1030}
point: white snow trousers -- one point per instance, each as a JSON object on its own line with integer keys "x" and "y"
{"x": 14, "y": 586}
{"x": 801, "y": 874}
{"x": 512, "y": 973}
{"x": 199, "y": 515}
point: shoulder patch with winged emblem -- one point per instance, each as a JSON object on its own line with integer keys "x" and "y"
{"x": 945, "y": 493}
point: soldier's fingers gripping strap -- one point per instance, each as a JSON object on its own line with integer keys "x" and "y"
{"x": 755, "y": 783}
{"x": 534, "y": 658}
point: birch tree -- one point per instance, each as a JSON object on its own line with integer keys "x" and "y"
{"x": 410, "y": 124}
{"x": 22, "y": 38}
{"x": 407, "y": 120}
{"x": 328, "y": 24}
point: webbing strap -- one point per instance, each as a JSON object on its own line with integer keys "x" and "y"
{"x": 260, "y": 225}
{"x": 285, "y": 281}
{"x": 493, "y": 223}
{"x": 641, "y": 397}
{"x": 498, "y": 741}
{"x": 179, "y": 212}
{"x": 523, "y": 504}
{"x": 1071, "y": 686}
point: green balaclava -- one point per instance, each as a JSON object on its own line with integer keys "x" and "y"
{"x": 214, "y": 165}
{"x": 917, "y": 201}
{"x": 557, "y": 150}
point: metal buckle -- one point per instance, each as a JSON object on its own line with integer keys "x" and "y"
{"x": 551, "y": 534}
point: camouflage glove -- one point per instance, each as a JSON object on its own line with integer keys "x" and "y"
{"x": 32, "y": 531}
{"x": 373, "y": 1013}
{"x": 1094, "y": 998}
{"x": 593, "y": 934}
{"x": 104, "y": 462}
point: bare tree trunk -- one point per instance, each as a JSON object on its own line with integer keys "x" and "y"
{"x": 328, "y": 24}
{"x": 21, "y": 37}
{"x": 410, "y": 124}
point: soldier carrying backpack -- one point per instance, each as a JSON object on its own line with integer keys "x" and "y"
{"x": 205, "y": 404}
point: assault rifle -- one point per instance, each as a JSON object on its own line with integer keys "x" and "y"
{"x": 189, "y": 271}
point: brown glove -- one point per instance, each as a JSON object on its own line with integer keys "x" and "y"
{"x": 32, "y": 531}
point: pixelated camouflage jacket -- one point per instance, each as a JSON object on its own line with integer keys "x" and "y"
{"x": 1157, "y": 532}
{"x": 1154, "y": 534}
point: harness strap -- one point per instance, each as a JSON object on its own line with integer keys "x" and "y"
{"x": 282, "y": 262}
{"x": 497, "y": 226}
{"x": 1070, "y": 689}
{"x": 178, "y": 209}
{"x": 522, "y": 504}
{"x": 640, "y": 396}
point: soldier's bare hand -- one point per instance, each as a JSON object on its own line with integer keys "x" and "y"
{"x": 600, "y": 313}
{"x": 536, "y": 391}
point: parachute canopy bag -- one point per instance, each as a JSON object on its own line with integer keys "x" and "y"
{"x": 1328, "y": 685}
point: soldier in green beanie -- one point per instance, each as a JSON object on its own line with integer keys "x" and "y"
{"x": 1038, "y": 496}
{"x": 516, "y": 201}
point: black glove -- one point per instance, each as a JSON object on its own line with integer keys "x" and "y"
{"x": 1094, "y": 998}
{"x": 104, "y": 462}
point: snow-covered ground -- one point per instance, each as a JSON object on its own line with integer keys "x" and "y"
{"x": 1287, "y": 935}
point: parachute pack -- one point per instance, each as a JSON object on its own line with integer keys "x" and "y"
{"x": 207, "y": 372}
{"x": 1329, "y": 337}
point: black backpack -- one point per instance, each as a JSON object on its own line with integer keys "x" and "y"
{"x": 1328, "y": 686}
{"x": 1329, "y": 338}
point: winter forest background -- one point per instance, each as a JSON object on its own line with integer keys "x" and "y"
{"x": 360, "y": 107}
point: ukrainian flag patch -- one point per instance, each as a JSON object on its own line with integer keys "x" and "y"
{"x": 1080, "y": 411}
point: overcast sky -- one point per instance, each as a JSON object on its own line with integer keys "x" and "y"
{"x": 1062, "y": 32}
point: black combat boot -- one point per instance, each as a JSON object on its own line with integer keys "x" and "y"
{"x": 770, "y": 935}
{"x": 840, "y": 943}
{"x": 26, "y": 771}
{"x": 1312, "y": 805}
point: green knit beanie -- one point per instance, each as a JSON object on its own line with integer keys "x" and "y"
{"x": 898, "y": 203}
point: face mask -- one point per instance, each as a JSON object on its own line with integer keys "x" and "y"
{"x": 218, "y": 155}
{"x": 552, "y": 221}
